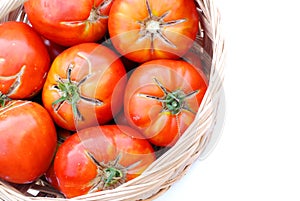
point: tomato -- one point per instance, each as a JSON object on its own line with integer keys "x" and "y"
{"x": 28, "y": 141}
{"x": 24, "y": 60}
{"x": 69, "y": 22}
{"x": 84, "y": 86}
{"x": 144, "y": 30}
{"x": 50, "y": 177}
{"x": 99, "y": 158}
{"x": 162, "y": 98}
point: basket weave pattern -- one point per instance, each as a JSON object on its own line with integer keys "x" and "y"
{"x": 173, "y": 164}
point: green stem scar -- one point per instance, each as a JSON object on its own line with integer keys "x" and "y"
{"x": 3, "y": 99}
{"x": 70, "y": 92}
{"x": 110, "y": 175}
{"x": 172, "y": 101}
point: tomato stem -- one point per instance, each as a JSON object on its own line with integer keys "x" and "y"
{"x": 70, "y": 93}
{"x": 152, "y": 27}
{"x": 172, "y": 101}
{"x": 4, "y": 99}
{"x": 110, "y": 175}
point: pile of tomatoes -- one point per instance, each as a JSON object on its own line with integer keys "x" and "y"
{"x": 90, "y": 87}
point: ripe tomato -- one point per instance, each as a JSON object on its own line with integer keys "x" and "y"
{"x": 28, "y": 141}
{"x": 153, "y": 29}
{"x": 24, "y": 60}
{"x": 84, "y": 86}
{"x": 100, "y": 158}
{"x": 162, "y": 98}
{"x": 69, "y": 22}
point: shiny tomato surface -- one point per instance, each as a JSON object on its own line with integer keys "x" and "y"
{"x": 143, "y": 30}
{"x": 24, "y": 60}
{"x": 85, "y": 86}
{"x": 69, "y": 22}
{"x": 100, "y": 158}
{"x": 162, "y": 98}
{"x": 28, "y": 141}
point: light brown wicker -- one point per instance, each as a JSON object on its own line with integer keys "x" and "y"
{"x": 174, "y": 163}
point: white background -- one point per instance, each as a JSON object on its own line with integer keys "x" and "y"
{"x": 258, "y": 154}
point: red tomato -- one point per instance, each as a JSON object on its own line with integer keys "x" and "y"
{"x": 153, "y": 29}
{"x": 84, "y": 86}
{"x": 50, "y": 176}
{"x": 24, "y": 60}
{"x": 28, "y": 141}
{"x": 100, "y": 158}
{"x": 162, "y": 98}
{"x": 69, "y": 22}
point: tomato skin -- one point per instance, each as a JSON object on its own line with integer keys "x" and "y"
{"x": 105, "y": 81}
{"x": 146, "y": 113}
{"x": 68, "y": 22}
{"x": 24, "y": 60}
{"x": 125, "y": 27}
{"x": 76, "y": 171}
{"x": 28, "y": 141}
{"x": 51, "y": 177}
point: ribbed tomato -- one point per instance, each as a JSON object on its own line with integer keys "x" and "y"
{"x": 24, "y": 60}
{"x": 28, "y": 141}
{"x": 84, "y": 86}
{"x": 69, "y": 22}
{"x": 144, "y": 30}
{"x": 162, "y": 98}
{"x": 100, "y": 158}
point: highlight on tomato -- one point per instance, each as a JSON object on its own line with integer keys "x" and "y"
{"x": 144, "y": 30}
{"x": 24, "y": 60}
{"x": 28, "y": 140}
{"x": 69, "y": 22}
{"x": 101, "y": 158}
{"x": 84, "y": 86}
{"x": 162, "y": 98}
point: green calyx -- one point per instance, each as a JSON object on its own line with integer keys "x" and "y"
{"x": 111, "y": 176}
{"x": 4, "y": 99}
{"x": 70, "y": 93}
{"x": 172, "y": 101}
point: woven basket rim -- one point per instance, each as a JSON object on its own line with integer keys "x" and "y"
{"x": 146, "y": 188}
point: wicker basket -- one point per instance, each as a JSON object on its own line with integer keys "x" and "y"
{"x": 172, "y": 164}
